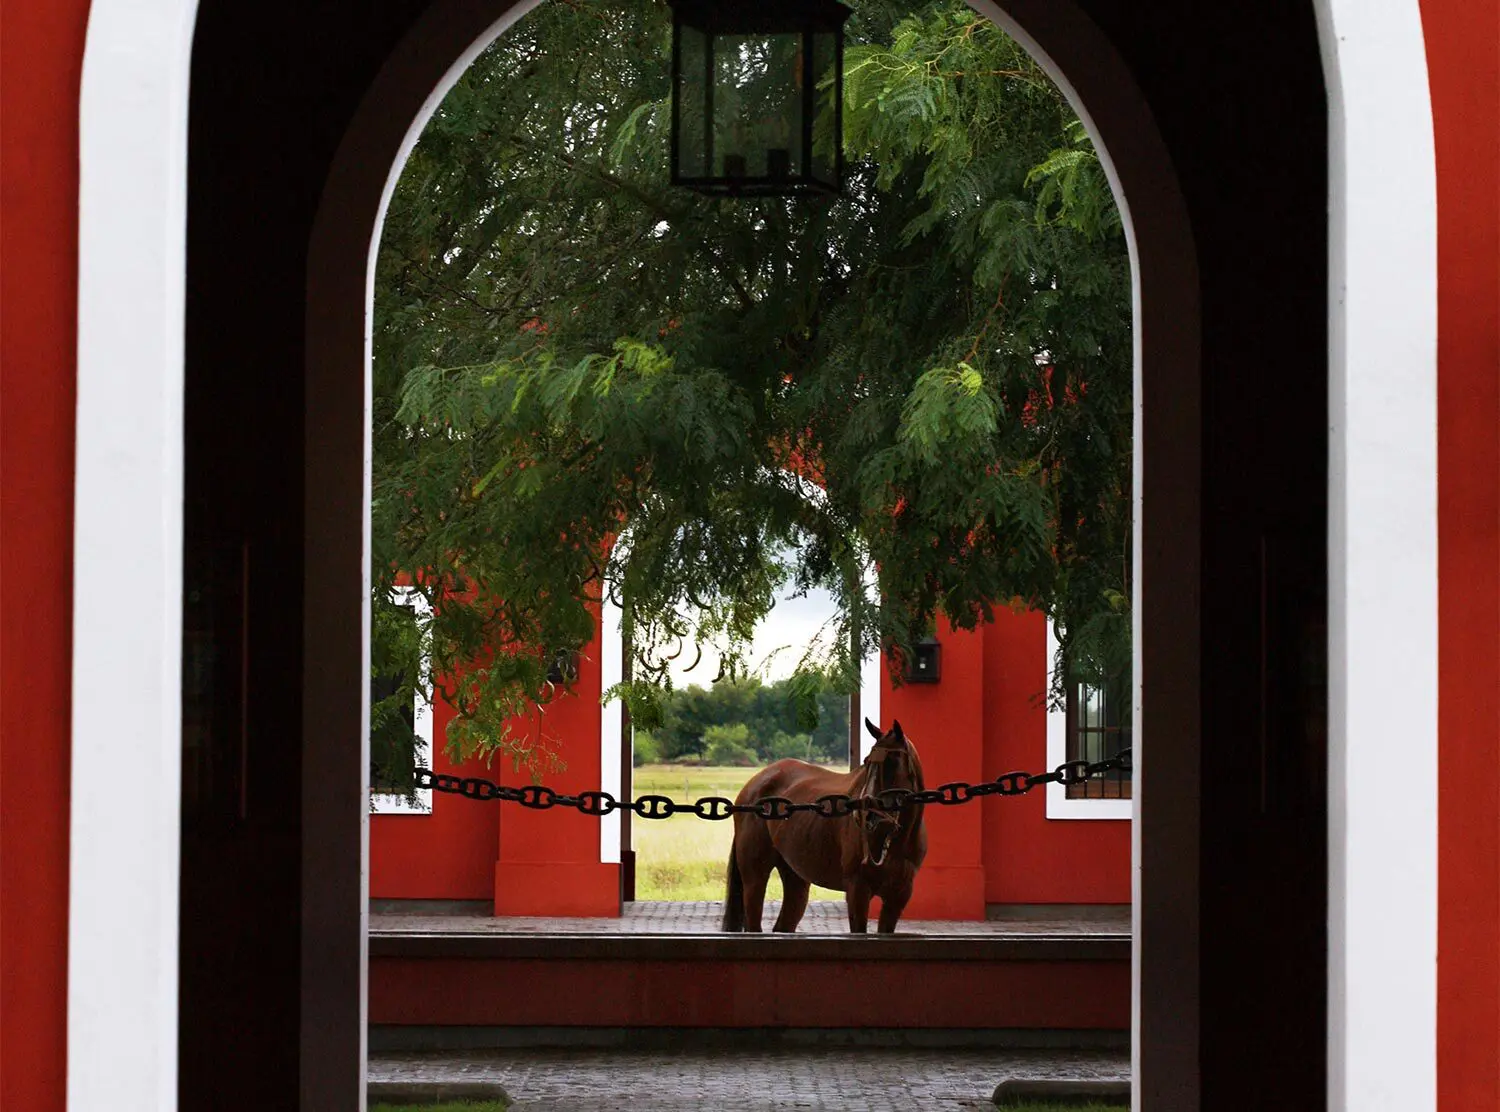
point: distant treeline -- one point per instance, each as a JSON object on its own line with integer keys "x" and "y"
{"x": 745, "y": 723}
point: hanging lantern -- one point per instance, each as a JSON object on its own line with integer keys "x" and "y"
{"x": 757, "y": 96}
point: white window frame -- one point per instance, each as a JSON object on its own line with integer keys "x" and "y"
{"x": 420, "y": 802}
{"x": 1059, "y": 806}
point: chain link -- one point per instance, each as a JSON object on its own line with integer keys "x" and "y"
{"x": 716, "y": 808}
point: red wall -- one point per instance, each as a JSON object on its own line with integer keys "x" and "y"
{"x": 40, "y": 58}
{"x": 528, "y": 862}
{"x": 548, "y": 861}
{"x": 40, "y": 61}
{"x": 945, "y": 721}
{"x": 986, "y": 717}
{"x": 1028, "y": 857}
{"x": 1463, "y": 53}
{"x": 447, "y": 855}
{"x": 633, "y": 992}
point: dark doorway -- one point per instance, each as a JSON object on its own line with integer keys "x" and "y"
{"x": 274, "y": 91}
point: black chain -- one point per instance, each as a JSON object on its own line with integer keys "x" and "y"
{"x": 716, "y": 808}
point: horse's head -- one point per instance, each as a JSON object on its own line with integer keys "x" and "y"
{"x": 892, "y": 764}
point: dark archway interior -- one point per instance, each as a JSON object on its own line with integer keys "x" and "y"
{"x": 1241, "y": 106}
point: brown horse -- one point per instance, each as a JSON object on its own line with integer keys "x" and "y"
{"x": 864, "y": 854}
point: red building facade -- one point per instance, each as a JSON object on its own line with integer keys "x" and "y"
{"x": 986, "y": 716}
{"x": 95, "y": 153}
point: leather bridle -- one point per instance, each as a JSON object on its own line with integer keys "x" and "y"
{"x": 871, "y": 820}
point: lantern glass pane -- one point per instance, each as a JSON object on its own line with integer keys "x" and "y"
{"x": 757, "y": 106}
{"x": 826, "y": 137}
{"x": 693, "y": 102}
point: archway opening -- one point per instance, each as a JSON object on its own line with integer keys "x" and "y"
{"x": 972, "y": 434}
{"x": 350, "y": 211}
{"x": 716, "y": 732}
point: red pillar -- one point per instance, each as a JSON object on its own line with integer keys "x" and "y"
{"x": 945, "y": 721}
{"x": 548, "y": 861}
{"x": 1029, "y": 858}
{"x": 446, "y": 855}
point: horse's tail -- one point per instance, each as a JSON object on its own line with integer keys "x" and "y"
{"x": 734, "y": 896}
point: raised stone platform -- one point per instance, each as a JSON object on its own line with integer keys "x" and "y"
{"x": 668, "y": 966}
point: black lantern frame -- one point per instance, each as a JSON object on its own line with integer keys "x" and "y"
{"x": 809, "y": 35}
{"x": 925, "y": 665}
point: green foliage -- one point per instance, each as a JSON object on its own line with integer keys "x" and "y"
{"x": 587, "y": 382}
{"x": 781, "y": 746}
{"x": 767, "y": 720}
{"x": 645, "y": 749}
{"x": 729, "y": 745}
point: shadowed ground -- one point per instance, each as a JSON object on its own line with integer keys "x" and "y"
{"x": 836, "y": 1079}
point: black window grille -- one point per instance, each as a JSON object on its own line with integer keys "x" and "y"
{"x": 1098, "y": 726}
{"x": 393, "y": 732}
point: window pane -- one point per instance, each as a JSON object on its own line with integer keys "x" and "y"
{"x": 757, "y": 105}
{"x": 1099, "y": 727}
{"x": 393, "y": 724}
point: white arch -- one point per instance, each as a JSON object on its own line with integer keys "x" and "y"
{"x": 122, "y": 996}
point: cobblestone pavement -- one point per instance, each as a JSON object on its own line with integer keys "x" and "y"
{"x": 702, "y": 917}
{"x": 838, "y": 1079}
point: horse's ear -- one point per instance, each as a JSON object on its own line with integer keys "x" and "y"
{"x": 897, "y": 732}
{"x": 874, "y": 729}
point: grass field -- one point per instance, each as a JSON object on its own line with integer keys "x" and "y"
{"x": 683, "y": 857}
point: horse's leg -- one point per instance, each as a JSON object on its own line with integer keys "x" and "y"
{"x": 794, "y": 893}
{"x": 891, "y": 907}
{"x": 857, "y": 900}
{"x": 755, "y": 874}
{"x": 755, "y": 878}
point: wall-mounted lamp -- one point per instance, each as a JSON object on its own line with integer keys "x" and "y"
{"x": 925, "y": 664}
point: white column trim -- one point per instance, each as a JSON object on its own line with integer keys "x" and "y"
{"x": 127, "y": 558}
{"x": 872, "y": 673}
{"x": 1382, "y": 548}
{"x": 611, "y": 720}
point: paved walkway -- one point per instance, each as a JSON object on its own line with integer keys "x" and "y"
{"x": 838, "y": 1079}
{"x": 703, "y": 916}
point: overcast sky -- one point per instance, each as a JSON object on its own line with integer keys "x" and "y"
{"x": 793, "y": 622}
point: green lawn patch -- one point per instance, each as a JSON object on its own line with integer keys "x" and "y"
{"x": 685, "y": 857}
